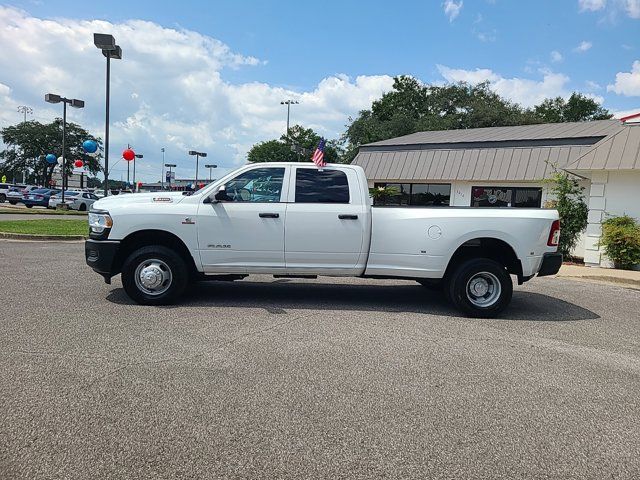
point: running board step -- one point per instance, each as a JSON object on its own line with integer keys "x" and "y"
{"x": 295, "y": 276}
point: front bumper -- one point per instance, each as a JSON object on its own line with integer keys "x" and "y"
{"x": 101, "y": 255}
{"x": 551, "y": 263}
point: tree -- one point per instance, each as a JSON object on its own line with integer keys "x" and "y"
{"x": 577, "y": 109}
{"x": 284, "y": 149}
{"x": 28, "y": 143}
{"x": 568, "y": 199}
{"x": 412, "y": 106}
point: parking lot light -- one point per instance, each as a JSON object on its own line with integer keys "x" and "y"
{"x": 75, "y": 103}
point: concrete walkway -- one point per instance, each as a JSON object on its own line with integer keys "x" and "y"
{"x": 610, "y": 275}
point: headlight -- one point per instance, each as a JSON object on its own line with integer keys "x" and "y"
{"x": 98, "y": 221}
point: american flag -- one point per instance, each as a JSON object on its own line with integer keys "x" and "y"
{"x": 318, "y": 155}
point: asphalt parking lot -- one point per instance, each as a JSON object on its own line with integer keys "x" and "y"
{"x": 327, "y": 378}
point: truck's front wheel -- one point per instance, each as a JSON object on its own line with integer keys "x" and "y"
{"x": 480, "y": 287}
{"x": 154, "y": 275}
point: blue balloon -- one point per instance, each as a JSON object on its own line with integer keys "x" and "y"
{"x": 89, "y": 146}
{"x": 51, "y": 158}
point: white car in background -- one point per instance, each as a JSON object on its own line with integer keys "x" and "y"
{"x": 76, "y": 200}
{"x": 15, "y": 194}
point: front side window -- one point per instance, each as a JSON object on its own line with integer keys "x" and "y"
{"x": 259, "y": 185}
{"x": 321, "y": 186}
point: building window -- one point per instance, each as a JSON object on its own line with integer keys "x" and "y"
{"x": 412, "y": 194}
{"x": 321, "y": 186}
{"x": 520, "y": 197}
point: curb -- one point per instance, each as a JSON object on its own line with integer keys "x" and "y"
{"x": 27, "y": 236}
{"x": 38, "y": 212}
{"x": 605, "y": 279}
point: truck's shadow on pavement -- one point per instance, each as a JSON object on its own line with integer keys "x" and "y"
{"x": 278, "y": 296}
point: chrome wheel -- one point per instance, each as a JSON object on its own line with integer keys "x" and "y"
{"x": 483, "y": 289}
{"x": 153, "y": 277}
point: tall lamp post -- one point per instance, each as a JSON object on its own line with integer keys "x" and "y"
{"x": 288, "y": 103}
{"x": 210, "y": 166}
{"x": 198, "y": 155}
{"x": 24, "y": 109}
{"x": 162, "y": 170}
{"x": 107, "y": 44}
{"x": 75, "y": 103}
{"x": 135, "y": 185}
{"x": 170, "y": 166}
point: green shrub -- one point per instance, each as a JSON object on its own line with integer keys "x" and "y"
{"x": 569, "y": 201}
{"x": 621, "y": 241}
{"x": 381, "y": 194}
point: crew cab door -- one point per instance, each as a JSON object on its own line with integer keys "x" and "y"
{"x": 326, "y": 222}
{"x": 245, "y": 232}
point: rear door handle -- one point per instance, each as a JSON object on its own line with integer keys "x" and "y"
{"x": 343, "y": 216}
{"x": 269, "y": 215}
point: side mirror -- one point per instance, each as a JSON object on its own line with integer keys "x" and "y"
{"x": 218, "y": 195}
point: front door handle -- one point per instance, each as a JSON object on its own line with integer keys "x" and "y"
{"x": 269, "y": 215}
{"x": 343, "y": 216}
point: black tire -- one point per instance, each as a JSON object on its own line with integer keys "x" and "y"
{"x": 29, "y": 206}
{"x": 3, "y": 197}
{"x": 83, "y": 207}
{"x": 172, "y": 261}
{"x": 13, "y": 202}
{"x": 487, "y": 274}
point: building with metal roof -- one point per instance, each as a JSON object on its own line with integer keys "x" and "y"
{"x": 507, "y": 167}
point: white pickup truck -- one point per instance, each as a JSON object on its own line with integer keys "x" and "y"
{"x": 295, "y": 220}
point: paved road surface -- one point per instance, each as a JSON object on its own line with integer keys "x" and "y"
{"x": 310, "y": 379}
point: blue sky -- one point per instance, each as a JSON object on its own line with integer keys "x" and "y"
{"x": 318, "y": 51}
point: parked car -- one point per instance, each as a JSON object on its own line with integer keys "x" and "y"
{"x": 81, "y": 201}
{"x": 38, "y": 197}
{"x": 16, "y": 194}
{"x": 293, "y": 219}
{"x": 4, "y": 189}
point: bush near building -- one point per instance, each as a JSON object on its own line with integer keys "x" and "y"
{"x": 621, "y": 241}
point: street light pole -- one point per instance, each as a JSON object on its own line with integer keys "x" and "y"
{"x": 74, "y": 102}
{"x": 135, "y": 185}
{"x": 210, "y": 166}
{"x": 162, "y": 170}
{"x": 24, "y": 110}
{"x": 107, "y": 43}
{"x": 169, "y": 166}
{"x": 198, "y": 155}
{"x": 288, "y": 103}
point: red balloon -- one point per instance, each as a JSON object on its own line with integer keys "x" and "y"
{"x": 128, "y": 154}
{"x": 78, "y": 163}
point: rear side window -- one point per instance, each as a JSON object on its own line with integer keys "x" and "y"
{"x": 321, "y": 186}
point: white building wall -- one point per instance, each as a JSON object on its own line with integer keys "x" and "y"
{"x": 612, "y": 192}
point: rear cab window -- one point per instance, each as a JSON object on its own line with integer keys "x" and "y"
{"x": 313, "y": 185}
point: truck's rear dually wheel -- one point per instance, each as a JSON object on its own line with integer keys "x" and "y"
{"x": 154, "y": 275}
{"x": 480, "y": 287}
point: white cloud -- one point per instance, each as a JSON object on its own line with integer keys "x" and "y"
{"x": 632, "y": 7}
{"x": 629, "y": 7}
{"x": 592, "y": 5}
{"x": 169, "y": 90}
{"x": 524, "y": 91}
{"x": 556, "y": 56}
{"x": 583, "y": 47}
{"x": 625, "y": 113}
{"x": 452, "y": 9}
{"x": 627, "y": 83}
{"x": 591, "y": 85}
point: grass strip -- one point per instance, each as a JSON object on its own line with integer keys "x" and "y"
{"x": 45, "y": 227}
